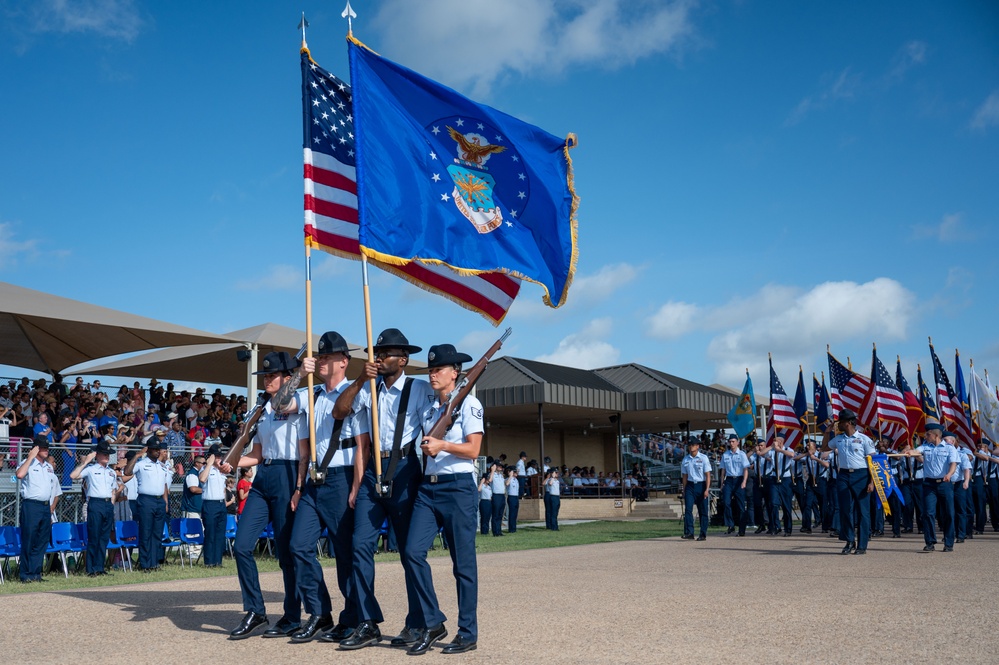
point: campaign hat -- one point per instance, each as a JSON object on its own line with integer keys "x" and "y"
{"x": 846, "y": 415}
{"x": 445, "y": 354}
{"x": 216, "y": 450}
{"x": 929, "y": 427}
{"x": 42, "y": 441}
{"x": 102, "y": 448}
{"x": 733, "y": 436}
{"x": 392, "y": 338}
{"x": 277, "y": 362}
{"x": 332, "y": 342}
{"x": 154, "y": 443}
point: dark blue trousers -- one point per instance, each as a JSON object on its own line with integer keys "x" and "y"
{"x": 811, "y": 512}
{"x": 151, "y": 518}
{"x": 36, "y": 533}
{"x": 370, "y": 511}
{"x": 961, "y": 513}
{"x": 734, "y": 503}
{"x": 938, "y": 496}
{"x": 213, "y": 515}
{"x": 992, "y": 492}
{"x": 909, "y": 508}
{"x": 512, "y": 510}
{"x": 854, "y": 504}
{"x": 759, "y": 495}
{"x": 499, "y": 503}
{"x": 781, "y": 494}
{"x": 269, "y": 500}
{"x": 100, "y": 522}
{"x": 918, "y": 503}
{"x": 877, "y": 514}
{"x": 486, "y": 514}
{"x": 693, "y": 494}
{"x": 978, "y": 502}
{"x": 552, "y": 503}
{"x": 449, "y": 503}
{"x": 326, "y": 507}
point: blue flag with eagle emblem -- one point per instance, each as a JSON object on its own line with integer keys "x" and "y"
{"x": 444, "y": 180}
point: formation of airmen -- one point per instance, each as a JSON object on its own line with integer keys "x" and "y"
{"x": 943, "y": 485}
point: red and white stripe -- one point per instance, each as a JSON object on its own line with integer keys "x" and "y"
{"x": 331, "y": 222}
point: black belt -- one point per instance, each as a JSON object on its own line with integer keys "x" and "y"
{"x": 445, "y": 478}
{"x": 851, "y": 470}
{"x": 98, "y": 498}
{"x": 403, "y": 451}
{"x": 37, "y": 501}
{"x": 271, "y": 461}
{"x": 933, "y": 480}
{"x": 204, "y": 501}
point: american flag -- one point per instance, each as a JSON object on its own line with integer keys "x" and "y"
{"x": 913, "y": 410}
{"x": 782, "y": 415}
{"x": 848, "y": 386}
{"x": 331, "y": 199}
{"x": 951, "y": 408}
{"x": 883, "y": 408}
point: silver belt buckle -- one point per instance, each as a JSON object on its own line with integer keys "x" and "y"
{"x": 433, "y": 480}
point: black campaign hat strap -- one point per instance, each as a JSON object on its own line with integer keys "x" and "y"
{"x": 400, "y": 424}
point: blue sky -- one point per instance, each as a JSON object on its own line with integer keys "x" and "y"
{"x": 755, "y": 176}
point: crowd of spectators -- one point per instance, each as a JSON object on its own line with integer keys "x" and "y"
{"x": 670, "y": 448}
{"x": 75, "y": 417}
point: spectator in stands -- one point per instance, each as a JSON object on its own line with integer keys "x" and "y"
{"x": 65, "y": 441}
{"x": 231, "y": 502}
{"x": 243, "y": 487}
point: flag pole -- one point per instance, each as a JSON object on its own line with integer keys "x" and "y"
{"x": 308, "y": 348}
{"x": 376, "y": 446}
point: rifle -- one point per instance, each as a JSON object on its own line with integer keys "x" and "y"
{"x": 464, "y": 387}
{"x": 249, "y": 426}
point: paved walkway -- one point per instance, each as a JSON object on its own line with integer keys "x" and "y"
{"x": 725, "y": 600}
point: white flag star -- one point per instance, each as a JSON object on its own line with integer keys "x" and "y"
{"x": 521, "y": 195}
{"x": 445, "y": 197}
{"x": 433, "y": 156}
{"x": 436, "y": 178}
{"x": 460, "y": 122}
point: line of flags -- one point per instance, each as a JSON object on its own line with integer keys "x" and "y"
{"x": 885, "y": 405}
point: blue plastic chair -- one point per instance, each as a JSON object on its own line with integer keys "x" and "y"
{"x": 126, "y": 537}
{"x": 267, "y": 535}
{"x": 63, "y": 542}
{"x": 323, "y": 545}
{"x": 230, "y": 532}
{"x": 10, "y": 546}
{"x": 191, "y": 532}
{"x": 383, "y": 533}
{"x": 169, "y": 541}
{"x": 80, "y": 539}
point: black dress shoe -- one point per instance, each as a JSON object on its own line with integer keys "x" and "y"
{"x": 896, "y": 535}
{"x": 251, "y": 623}
{"x": 929, "y": 548}
{"x": 460, "y": 644}
{"x": 701, "y": 538}
{"x": 687, "y": 536}
{"x": 311, "y": 628}
{"x": 365, "y": 634}
{"x": 283, "y": 628}
{"x": 849, "y": 547}
{"x": 338, "y": 633}
{"x": 787, "y": 533}
{"x": 730, "y": 531}
{"x": 948, "y": 549}
{"x": 428, "y": 638}
{"x": 959, "y": 540}
{"x": 741, "y": 534}
{"x": 758, "y": 530}
{"x": 859, "y": 551}
{"x": 407, "y": 638}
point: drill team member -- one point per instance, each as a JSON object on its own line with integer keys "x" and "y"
{"x": 102, "y": 490}
{"x": 37, "y": 481}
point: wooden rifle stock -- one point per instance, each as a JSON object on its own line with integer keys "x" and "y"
{"x": 249, "y": 426}
{"x": 455, "y": 399}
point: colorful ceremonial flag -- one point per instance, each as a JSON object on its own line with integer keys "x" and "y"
{"x": 952, "y": 413}
{"x": 782, "y": 415}
{"x": 884, "y": 483}
{"x": 801, "y": 402}
{"x": 447, "y": 181}
{"x": 823, "y": 414}
{"x": 984, "y": 407}
{"x": 961, "y": 390}
{"x": 850, "y": 387}
{"x": 331, "y": 199}
{"x": 926, "y": 402}
{"x": 883, "y": 408}
{"x": 743, "y": 414}
{"x": 913, "y": 411}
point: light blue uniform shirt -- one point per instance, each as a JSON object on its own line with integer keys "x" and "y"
{"x": 498, "y": 483}
{"x": 514, "y": 487}
{"x": 734, "y": 463}
{"x": 37, "y": 485}
{"x": 279, "y": 433}
{"x": 101, "y": 481}
{"x": 486, "y": 493}
{"x": 420, "y": 395}
{"x": 352, "y": 426}
{"x": 777, "y": 464}
{"x": 937, "y": 459}
{"x": 852, "y": 450}
{"x": 964, "y": 464}
{"x": 696, "y": 468}
{"x": 467, "y": 421}
{"x": 214, "y": 489}
{"x": 152, "y": 477}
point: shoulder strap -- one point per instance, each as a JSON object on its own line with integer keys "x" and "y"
{"x": 400, "y": 425}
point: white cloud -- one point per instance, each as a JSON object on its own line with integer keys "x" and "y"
{"x": 586, "y": 290}
{"x": 910, "y": 55}
{"x": 12, "y": 249}
{"x": 526, "y": 37}
{"x": 117, "y": 19}
{"x": 951, "y": 228}
{"x": 280, "y": 277}
{"x": 585, "y": 349}
{"x": 987, "y": 115}
{"x": 844, "y": 86}
{"x": 672, "y": 320}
